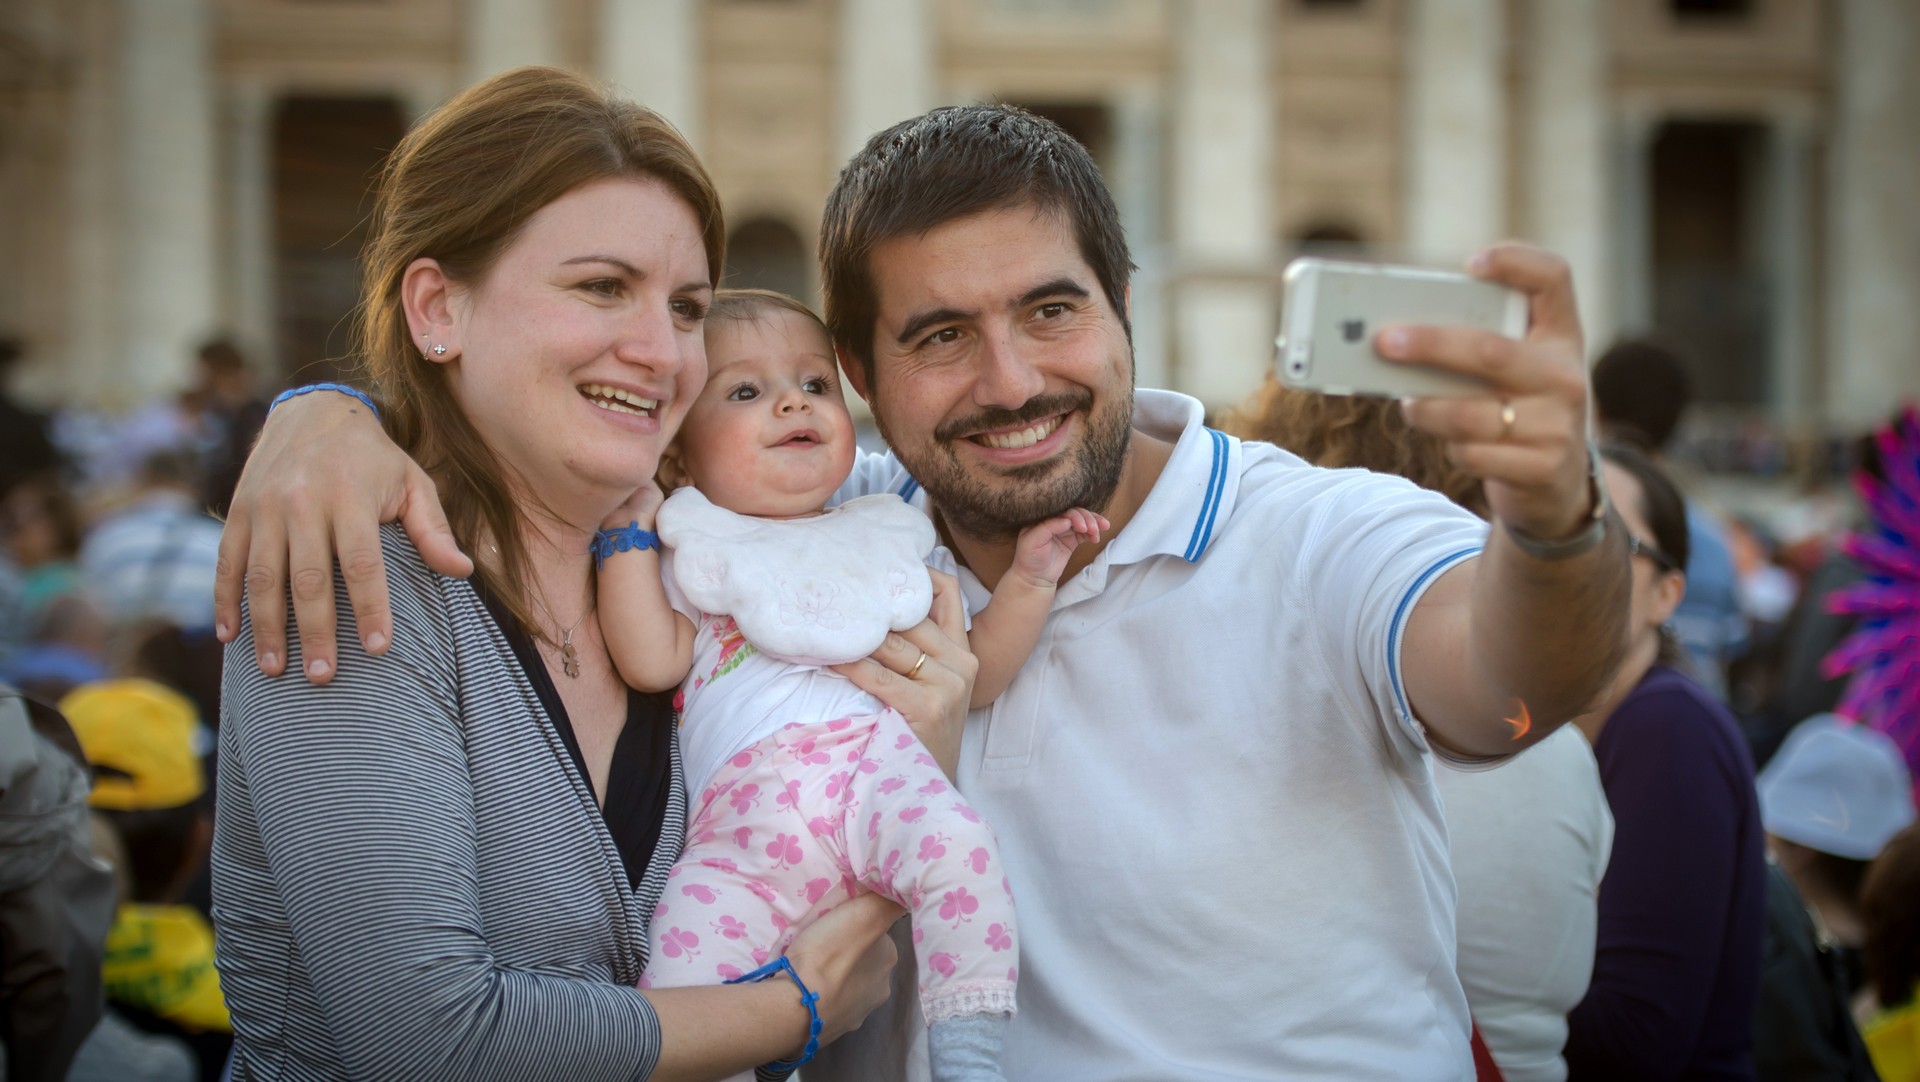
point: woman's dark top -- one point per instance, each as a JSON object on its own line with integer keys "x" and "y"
{"x": 640, "y": 779}
{"x": 1676, "y": 967}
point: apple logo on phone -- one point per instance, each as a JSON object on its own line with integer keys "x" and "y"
{"x": 1353, "y": 329}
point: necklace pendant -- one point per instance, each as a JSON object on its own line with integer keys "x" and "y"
{"x": 569, "y": 658}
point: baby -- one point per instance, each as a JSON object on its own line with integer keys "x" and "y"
{"x": 809, "y": 790}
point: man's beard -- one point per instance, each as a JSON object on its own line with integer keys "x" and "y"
{"x": 996, "y": 510}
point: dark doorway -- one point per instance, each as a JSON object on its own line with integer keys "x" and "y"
{"x": 326, "y": 155}
{"x": 767, "y": 253}
{"x": 1710, "y": 293}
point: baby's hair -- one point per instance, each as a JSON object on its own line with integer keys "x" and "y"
{"x": 733, "y": 306}
{"x": 739, "y": 305}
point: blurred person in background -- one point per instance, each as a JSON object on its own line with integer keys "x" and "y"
{"x": 26, "y": 435}
{"x": 1640, "y": 393}
{"x": 145, "y": 744}
{"x": 154, "y": 557}
{"x": 40, "y": 529}
{"x": 56, "y": 896}
{"x": 69, "y": 647}
{"x": 1676, "y": 971}
{"x": 1527, "y": 884}
{"x": 1829, "y": 801}
{"x": 231, "y": 413}
{"x": 1891, "y": 913}
{"x": 117, "y": 1050}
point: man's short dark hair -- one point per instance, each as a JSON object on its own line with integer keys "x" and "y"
{"x": 1640, "y": 390}
{"x": 949, "y": 164}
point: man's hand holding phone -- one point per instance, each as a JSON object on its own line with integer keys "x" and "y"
{"x": 1527, "y": 438}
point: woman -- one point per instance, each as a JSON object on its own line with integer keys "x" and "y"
{"x": 441, "y": 863}
{"x": 1683, "y": 906}
{"x": 1526, "y": 884}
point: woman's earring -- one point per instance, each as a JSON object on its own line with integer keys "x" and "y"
{"x": 437, "y": 350}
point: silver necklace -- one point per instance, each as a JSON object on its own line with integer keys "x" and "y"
{"x": 570, "y": 657}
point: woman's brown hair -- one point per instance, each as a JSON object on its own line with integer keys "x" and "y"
{"x": 1339, "y": 431}
{"x": 458, "y": 189}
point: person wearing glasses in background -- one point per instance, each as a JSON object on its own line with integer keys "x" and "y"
{"x": 1677, "y": 961}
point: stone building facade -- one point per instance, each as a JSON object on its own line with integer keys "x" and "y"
{"x": 1735, "y": 173}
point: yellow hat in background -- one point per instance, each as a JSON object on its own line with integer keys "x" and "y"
{"x": 143, "y": 740}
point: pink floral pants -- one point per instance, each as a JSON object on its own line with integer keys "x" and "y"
{"x": 805, "y": 819}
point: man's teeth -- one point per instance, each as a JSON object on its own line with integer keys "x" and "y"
{"x": 1026, "y": 437}
{"x": 615, "y": 400}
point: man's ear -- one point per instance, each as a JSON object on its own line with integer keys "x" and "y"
{"x": 856, "y": 375}
{"x": 1126, "y": 302}
{"x": 426, "y": 295}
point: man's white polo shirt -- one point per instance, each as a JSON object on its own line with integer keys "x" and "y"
{"x": 1214, "y": 803}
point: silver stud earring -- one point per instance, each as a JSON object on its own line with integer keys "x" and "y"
{"x": 439, "y": 350}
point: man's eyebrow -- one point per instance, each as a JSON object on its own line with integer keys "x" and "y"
{"x": 1057, "y": 287}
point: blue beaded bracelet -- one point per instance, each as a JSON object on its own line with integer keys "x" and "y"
{"x": 621, "y": 539}
{"x": 808, "y": 999}
{"x": 311, "y": 387}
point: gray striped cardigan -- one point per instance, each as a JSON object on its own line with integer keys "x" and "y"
{"x": 411, "y": 881}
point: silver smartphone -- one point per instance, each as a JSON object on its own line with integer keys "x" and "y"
{"x": 1331, "y": 311}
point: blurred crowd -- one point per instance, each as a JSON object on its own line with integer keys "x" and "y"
{"x": 108, "y": 539}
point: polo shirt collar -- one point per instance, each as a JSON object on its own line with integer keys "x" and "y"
{"x": 1194, "y": 495}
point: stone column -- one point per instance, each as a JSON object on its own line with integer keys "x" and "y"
{"x": 167, "y": 182}
{"x": 1789, "y": 238}
{"x": 1456, "y": 128}
{"x": 1137, "y": 179}
{"x": 250, "y": 267}
{"x": 1565, "y": 104}
{"x": 650, "y": 49}
{"x": 888, "y": 66}
{"x": 93, "y": 368}
{"x": 1872, "y": 318}
{"x": 503, "y": 34}
{"x": 1225, "y": 299}
{"x": 1633, "y": 133}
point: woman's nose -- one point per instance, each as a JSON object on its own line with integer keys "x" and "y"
{"x": 649, "y": 340}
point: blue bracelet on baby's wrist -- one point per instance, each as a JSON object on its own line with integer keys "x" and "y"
{"x": 621, "y": 539}
{"x": 296, "y": 392}
{"x": 808, "y": 998}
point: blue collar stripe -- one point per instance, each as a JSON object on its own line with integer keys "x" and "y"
{"x": 1210, "y": 506}
{"x": 907, "y": 490}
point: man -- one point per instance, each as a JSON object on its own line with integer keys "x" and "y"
{"x": 1211, "y": 781}
{"x": 153, "y": 558}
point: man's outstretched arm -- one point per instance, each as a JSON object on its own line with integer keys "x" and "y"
{"x": 1504, "y": 648}
{"x": 316, "y": 488}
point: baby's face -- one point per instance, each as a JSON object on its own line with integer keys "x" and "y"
{"x": 770, "y": 434}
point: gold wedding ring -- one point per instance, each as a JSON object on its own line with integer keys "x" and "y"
{"x": 915, "y": 671}
{"x": 1506, "y": 420}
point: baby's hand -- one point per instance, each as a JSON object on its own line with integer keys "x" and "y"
{"x": 641, "y": 507}
{"x": 1041, "y": 553}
